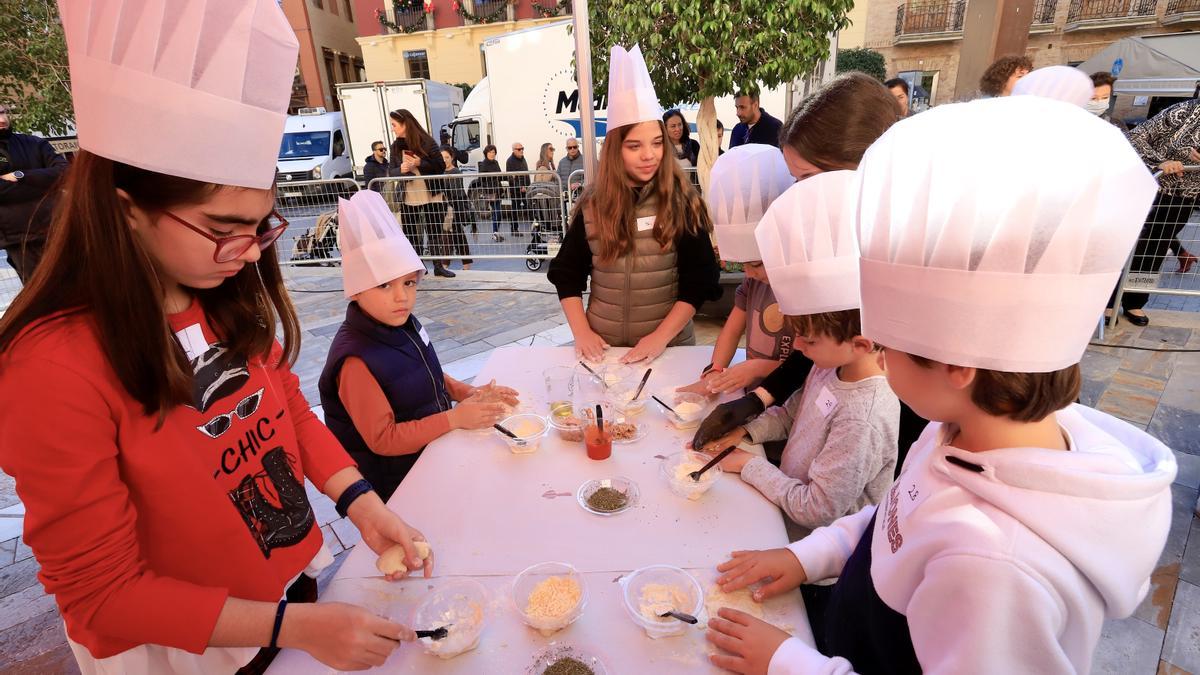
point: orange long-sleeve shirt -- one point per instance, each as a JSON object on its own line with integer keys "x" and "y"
{"x": 372, "y": 414}
{"x": 142, "y": 531}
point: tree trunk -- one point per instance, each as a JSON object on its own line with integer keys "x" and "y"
{"x": 706, "y": 129}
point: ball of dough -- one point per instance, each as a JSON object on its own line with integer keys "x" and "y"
{"x": 392, "y": 560}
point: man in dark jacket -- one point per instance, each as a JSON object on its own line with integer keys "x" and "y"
{"x": 376, "y": 165}
{"x": 517, "y": 186}
{"x": 754, "y": 125}
{"x": 29, "y": 171}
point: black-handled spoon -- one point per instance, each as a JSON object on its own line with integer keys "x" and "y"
{"x": 436, "y": 633}
{"x": 686, "y": 618}
{"x": 594, "y": 374}
{"x": 641, "y": 386}
{"x": 502, "y": 429}
{"x": 669, "y": 408}
{"x": 695, "y": 475}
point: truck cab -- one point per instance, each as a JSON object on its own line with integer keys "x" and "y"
{"x": 314, "y": 147}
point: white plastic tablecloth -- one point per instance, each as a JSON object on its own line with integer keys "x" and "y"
{"x": 489, "y": 514}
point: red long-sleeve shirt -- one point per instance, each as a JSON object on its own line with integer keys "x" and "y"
{"x": 143, "y": 532}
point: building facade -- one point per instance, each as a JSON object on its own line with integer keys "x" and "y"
{"x": 329, "y": 54}
{"x": 441, "y": 39}
{"x": 921, "y": 39}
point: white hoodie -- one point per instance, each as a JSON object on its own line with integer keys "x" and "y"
{"x": 1012, "y": 569}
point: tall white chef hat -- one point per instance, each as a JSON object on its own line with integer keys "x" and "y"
{"x": 374, "y": 248}
{"x": 631, "y": 97}
{"x": 993, "y": 232}
{"x": 808, "y": 245}
{"x": 1061, "y": 83}
{"x": 189, "y": 88}
{"x": 744, "y": 182}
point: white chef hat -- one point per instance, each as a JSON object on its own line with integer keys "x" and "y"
{"x": 631, "y": 97}
{"x": 374, "y": 248}
{"x": 1061, "y": 83}
{"x": 808, "y": 245}
{"x": 189, "y": 88}
{"x": 743, "y": 184}
{"x": 993, "y": 232}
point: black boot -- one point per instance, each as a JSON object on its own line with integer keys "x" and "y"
{"x": 439, "y": 270}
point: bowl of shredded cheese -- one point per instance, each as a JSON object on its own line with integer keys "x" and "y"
{"x": 677, "y": 469}
{"x": 549, "y": 596}
{"x": 657, "y": 589}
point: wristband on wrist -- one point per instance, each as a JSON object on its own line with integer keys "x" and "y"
{"x": 278, "y": 624}
{"x": 357, "y": 489}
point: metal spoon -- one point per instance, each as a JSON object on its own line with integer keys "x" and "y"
{"x": 686, "y": 618}
{"x": 695, "y": 475}
{"x": 594, "y": 374}
{"x": 641, "y": 386}
{"x": 669, "y": 408}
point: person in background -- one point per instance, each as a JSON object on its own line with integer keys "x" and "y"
{"x": 1101, "y": 103}
{"x": 1000, "y": 77}
{"x": 149, "y": 414}
{"x": 898, "y": 86}
{"x": 683, "y": 147}
{"x": 639, "y": 235}
{"x": 545, "y": 163}
{"x": 570, "y": 164}
{"x": 29, "y": 173}
{"x": 720, "y": 138}
{"x": 458, "y": 208}
{"x": 518, "y": 187}
{"x": 492, "y": 187}
{"x": 424, "y": 209}
{"x": 755, "y": 125}
{"x": 1167, "y": 142}
{"x": 376, "y": 165}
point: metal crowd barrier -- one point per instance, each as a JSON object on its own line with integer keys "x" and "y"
{"x": 310, "y": 208}
{"x": 1164, "y": 259}
{"x": 469, "y": 216}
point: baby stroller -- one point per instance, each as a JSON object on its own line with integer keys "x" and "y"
{"x": 319, "y": 242}
{"x": 544, "y": 240}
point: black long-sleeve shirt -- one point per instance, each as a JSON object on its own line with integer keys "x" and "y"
{"x": 431, "y": 164}
{"x": 699, "y": 273}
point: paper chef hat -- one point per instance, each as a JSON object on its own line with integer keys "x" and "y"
{"x": 809, "y": 248}
{"x": 374, "y": 248}
{"x": 190, "y": 88}
{"x": 978, "y": 249}
{"x": 1061, "y": 83}
{"x": 631, "y": 97}
{"x": 744, "y": 182}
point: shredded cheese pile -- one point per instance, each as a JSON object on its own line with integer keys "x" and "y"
{"x": 553, "y": 598}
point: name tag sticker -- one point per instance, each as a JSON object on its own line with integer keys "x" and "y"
{"x": 646, "y": 223}
{"x": 826, "y": 401}
{"x": 424, "y": 335}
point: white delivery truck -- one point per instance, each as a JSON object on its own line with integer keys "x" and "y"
{"x": 530, "y": 96}
{"x": 366, "y": 106}
{"x": 313, "y": 147}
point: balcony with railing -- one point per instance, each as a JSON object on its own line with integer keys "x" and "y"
{"x": 930, "y": 21}
{"x": 1043, "y": 16}
{"x": 1182, "y": 11}
{"x": 1090, "y": 14}
{"x": 405, "y": 16}
{"x": 486, "y": 11}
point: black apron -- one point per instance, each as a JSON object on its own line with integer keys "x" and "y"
{"x": 859, "y": 627}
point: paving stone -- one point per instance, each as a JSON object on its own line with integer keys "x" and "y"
{"x": 8, "y": 549}
{"x": 23, "y": 551}
{"x": 1138, "y": 382}
{"x": 59, "y": 660}
{"x": 1090, "y": 391}
{"x": 1182, "y": 645}
{"x": 1190, "y": 569}
{"x": 24, "y": 605}
{"x": 1163, "y": 336}
{"x": 1165, "y": 668}
{"x": 18, "y": 576}
{"x": 31, "y": 638}
{"x": 346, "y": 532}
{"x": 1133, "y": 405}
{"x": 1177, "y": 428}
{"x": 8, "y": 491}
{"x": 1183, "y": 388}
{"x": 1126, "y": 647}
{"x": 1189, "y": 469}
{"x": 1099, "y": 365}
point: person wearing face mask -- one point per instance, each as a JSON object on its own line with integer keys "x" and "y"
{"x": 1102, "y": 84}
{"x": 29, "y": 171}
{"x": 639, "y": 234}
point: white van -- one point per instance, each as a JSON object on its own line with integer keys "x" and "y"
{"x": 313, "y": 148}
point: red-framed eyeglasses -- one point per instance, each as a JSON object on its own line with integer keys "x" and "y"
{"x": 233, "y": 247}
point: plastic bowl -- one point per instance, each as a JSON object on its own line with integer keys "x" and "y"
{"x": 461, "y": 602}
{"x": 525, "y": 583}
{"x": 618, "y": 483}
{"x": 655, "y": 589}
{"x": 612, "y": 375}
{"x": 689, "y": 409}
{"x": 529, "y": 429}
{"x": 676, "y": 467}
{"x": 622, "y": 398}
{"x": 570, "y": 429}
{"x": 555, "y": 651}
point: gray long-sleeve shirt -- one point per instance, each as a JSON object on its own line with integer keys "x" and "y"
{"x": 566, "y": 166}
{"x": 841, "y": 448}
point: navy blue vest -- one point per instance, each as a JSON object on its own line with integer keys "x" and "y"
{"x": 406, "y": 369}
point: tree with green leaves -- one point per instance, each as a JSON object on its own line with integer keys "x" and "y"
{"x": 862, "y": 60}
{"x": 697, "y": 50}
{"x": 34, "y": 79}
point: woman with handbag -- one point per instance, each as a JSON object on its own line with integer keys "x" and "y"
{"x": 414, "y": 153}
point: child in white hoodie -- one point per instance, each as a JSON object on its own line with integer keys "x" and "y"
{"x": 1020, "y": 521}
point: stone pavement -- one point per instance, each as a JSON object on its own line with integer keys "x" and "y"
{"x": 478, "y": 311}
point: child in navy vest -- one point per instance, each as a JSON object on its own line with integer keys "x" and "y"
{"x": 383, "y": 390}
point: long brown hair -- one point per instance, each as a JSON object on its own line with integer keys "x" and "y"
{"x": 834, "y": 127}
{"x": 415, "y": 137}
{"x": 611, "y": 199}
{"x": 95, "y": 265}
